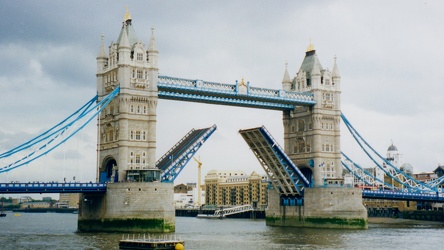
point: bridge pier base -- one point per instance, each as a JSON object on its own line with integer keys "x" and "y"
{"x": 323, "y": 208}
{"x": 145, "y": 207}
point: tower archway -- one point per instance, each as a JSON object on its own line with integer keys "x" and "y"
{"x": 109, "y": 171}
{"x": 307, "y": 172}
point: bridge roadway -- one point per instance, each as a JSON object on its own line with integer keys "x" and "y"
{"x": 77, "y": 187}
{"x": 52, "y": 187}
{"x": 406, "y": 196}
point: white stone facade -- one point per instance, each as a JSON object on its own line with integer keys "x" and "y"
{"x": 312, "y": 135}
{"x": 127, "y": 126}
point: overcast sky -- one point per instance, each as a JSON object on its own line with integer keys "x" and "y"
{"x": 389, "y": 54}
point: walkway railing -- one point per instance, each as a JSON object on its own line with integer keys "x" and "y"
{"x": 233, "y": 210}
{"x": 393, "y": 195}
{"x": 239, "y": 94}
{"x": 52, "y": 187}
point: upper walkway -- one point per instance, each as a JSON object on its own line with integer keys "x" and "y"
{"x": 239, "y": 94}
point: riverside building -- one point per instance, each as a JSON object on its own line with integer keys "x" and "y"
{"x": 234, "y": 188}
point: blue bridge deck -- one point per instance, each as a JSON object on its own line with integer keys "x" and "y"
{"x": 406, "y": 196}
{"x": 175, "y": 159}
{"x": 41, "y": 187}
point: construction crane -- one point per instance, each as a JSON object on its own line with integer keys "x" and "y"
{"x": 199, "y": 165}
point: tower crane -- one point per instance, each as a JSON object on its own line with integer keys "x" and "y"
{"x": 199, "y": 165}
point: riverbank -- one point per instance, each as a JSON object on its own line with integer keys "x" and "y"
{"x": 46, "y": 210}
{"x": 399, "y": 221}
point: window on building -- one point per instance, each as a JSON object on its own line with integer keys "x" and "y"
{"x": 131, "y": 135}
{"x": 301, "y": 145}
{"x": 138, "y": 135}
{"x": 301, "y": 125}
{"x": 139, "y": 56}
{"x": 139, "y": 74}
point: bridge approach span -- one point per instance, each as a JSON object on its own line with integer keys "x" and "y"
{"x": 405, "y": 196}
{"x": 51, "y": 187}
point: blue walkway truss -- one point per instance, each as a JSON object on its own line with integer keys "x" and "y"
{"x": 239, "y": 94}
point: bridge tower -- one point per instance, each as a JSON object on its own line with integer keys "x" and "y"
{"x": 136, "y": 200}
{"x": 312, "y": 141}
{"x": 312, "y": 134}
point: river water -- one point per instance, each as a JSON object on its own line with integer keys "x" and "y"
{"x": 57, "y": 231}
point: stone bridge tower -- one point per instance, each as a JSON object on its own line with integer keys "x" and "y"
{"x": 312, "y": 141}
{"x": 136, "y": 200}
{"x": 312, "y": 135}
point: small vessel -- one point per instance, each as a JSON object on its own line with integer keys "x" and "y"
{"x": 166, "y": 242}
{"x": 209, "y": 216}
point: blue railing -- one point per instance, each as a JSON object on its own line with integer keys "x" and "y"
{"x": 52, "y": 187}
{"x": 393, "y": 195}
{"x": 239, "y": 94}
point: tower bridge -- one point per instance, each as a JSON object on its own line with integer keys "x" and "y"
{"x": 134, "y": 192}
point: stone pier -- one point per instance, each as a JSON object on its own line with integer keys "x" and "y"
{"x": 322, "y": 208}
{"x": 129, "y": 207}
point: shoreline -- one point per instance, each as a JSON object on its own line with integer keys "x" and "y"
{"x": 400, "y": 221}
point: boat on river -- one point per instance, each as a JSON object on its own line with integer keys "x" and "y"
{"x": 148, "y": 242}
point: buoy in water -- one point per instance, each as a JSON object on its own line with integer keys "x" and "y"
{"x": 179, "y": 247}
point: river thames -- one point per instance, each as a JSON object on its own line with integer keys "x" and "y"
{"x": 58, "y": 231}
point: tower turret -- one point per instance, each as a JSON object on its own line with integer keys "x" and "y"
{"x": 102, "y": 58}
{"x": 335, "y": 75}
{"x": 102, "y": 63}
{"x": 286, "y": 81}
{"x": 153, "y": 97}
{"x": 153, "y": 53}
{"x": 124, "y": 47}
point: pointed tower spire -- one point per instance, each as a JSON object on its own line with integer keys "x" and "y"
{"x": 316, "y": 71}
{"x": 127, "y": 15}
{"x": 102, "y": 58}
{"x": 102, "y": 51}
{"x": 310, "y": 47}
{"x": 335, "y": 72}
{"x": 124, "y": 40}
{"x": 286, "y": 82}
{"x": 153, "y": 52}
{"x": 152, "y": 45}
